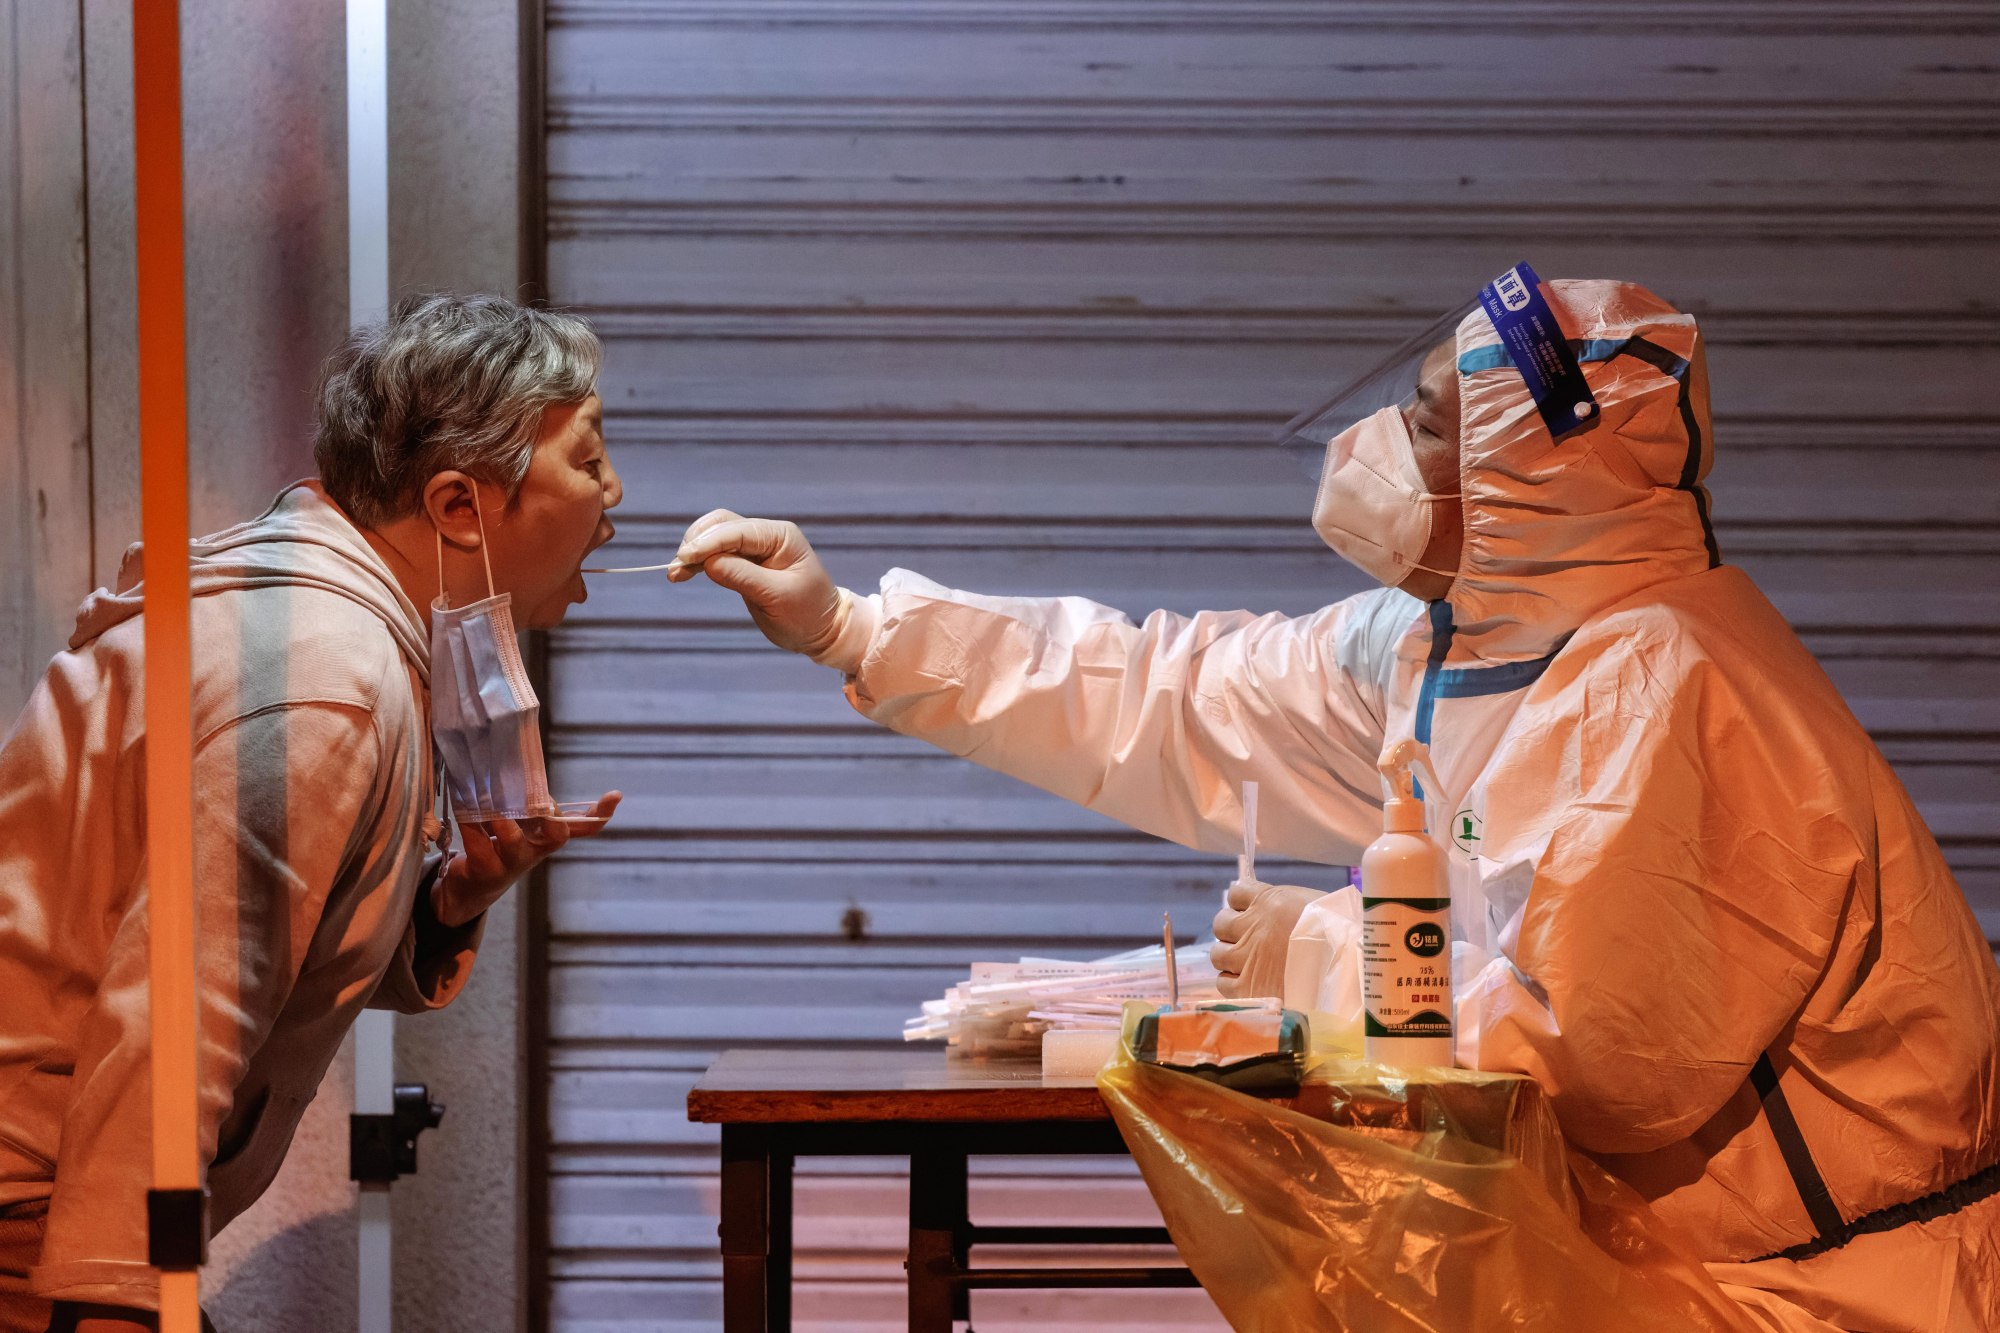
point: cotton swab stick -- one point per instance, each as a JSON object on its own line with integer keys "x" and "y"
{"x": 632, "y": 569}
{"x": 1246, "y": 864}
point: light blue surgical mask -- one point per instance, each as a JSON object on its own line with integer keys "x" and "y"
{"x": 484, "y": 712}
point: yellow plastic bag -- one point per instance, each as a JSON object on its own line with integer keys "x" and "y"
{"x": 1446, "y": 1203}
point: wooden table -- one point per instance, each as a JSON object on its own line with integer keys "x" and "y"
{"x": 778, "y": 1105}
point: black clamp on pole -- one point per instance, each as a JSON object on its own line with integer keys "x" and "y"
{"x": 177, "y": 1229}
{"x": 381, "y": 1148}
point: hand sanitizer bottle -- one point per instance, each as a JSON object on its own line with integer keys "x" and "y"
{"x": 1406, "y": 926}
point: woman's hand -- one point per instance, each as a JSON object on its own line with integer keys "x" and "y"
{"x": 497, "y": 852}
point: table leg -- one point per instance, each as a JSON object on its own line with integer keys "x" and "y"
{"x": 778, "y": 1265}
{"x": 961, "y": 1243}
{"x": 937, "y": 1244}
{"x": 746, "y": 1229}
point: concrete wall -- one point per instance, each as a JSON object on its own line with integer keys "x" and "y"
{"x": 454, "y": 191}
{"x": 45, "y": 548}
{"x": 265, "y": 123}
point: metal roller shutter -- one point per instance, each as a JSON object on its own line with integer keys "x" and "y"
{"x": 1011, "y": 293}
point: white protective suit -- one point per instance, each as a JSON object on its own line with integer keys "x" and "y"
{"x": 1682, "y": 870}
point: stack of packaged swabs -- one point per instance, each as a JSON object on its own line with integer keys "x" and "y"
{"x": 1003, "y": 1009}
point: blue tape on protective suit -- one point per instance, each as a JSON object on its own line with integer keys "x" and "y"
{"x": 1535, "y": 343}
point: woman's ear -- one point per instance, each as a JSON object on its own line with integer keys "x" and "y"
{"x": 451, "y": 504}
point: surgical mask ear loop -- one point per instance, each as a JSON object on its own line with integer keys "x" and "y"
{"x": 1430, "y": 498}
{"x": 438, "y": 534}
{"x": 444, "y": 594}
{"x": 1423, "y": 493}
{"x": 485, "y": 559}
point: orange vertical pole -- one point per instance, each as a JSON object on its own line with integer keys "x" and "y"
{"x": 176, "y": 1218}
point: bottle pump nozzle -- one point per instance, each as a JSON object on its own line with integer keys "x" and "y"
{"x": 1403, "y": 811}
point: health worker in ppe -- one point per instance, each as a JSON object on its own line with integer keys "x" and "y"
{"x": 1695, "y": 903}
{"x": 354, "y": 653}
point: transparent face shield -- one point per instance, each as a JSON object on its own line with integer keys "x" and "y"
{"x": 1419, "y": 379}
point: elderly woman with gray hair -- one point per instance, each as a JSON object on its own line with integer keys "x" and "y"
{"x": 463, "y": 480}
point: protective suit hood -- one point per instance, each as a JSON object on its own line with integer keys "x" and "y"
{"x": 303, "y": 540}
{"x": 1556, "y": 531}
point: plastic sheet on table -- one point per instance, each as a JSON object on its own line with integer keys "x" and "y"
{"x": 1442, "y": 1202}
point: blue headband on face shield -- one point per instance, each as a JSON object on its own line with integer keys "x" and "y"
{"x": 1530, "y": 337}
{"x": 1535, "y": 343}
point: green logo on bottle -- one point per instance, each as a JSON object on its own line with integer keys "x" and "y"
{"x": 1424, "y": 940}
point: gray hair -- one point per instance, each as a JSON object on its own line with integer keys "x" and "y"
{"x": 445, "y": 382}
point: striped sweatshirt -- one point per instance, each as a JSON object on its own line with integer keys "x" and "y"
{"x": 313, "y": 784}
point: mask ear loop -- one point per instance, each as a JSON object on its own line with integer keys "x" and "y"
{"x": 1409, "y": 451}
{"x": 484, "y": 558}
{"x": 438, "y": 534}
{"x": 439, "y": 787}
{"x": 1429, "y": 497}
{"x": 443, "y": 594}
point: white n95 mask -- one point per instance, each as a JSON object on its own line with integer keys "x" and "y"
{"x": 1372, "y": 507}
{"x": 484, "y": 713}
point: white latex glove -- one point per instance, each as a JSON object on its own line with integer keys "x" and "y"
{"x": 772, "y": 566}
{"x": 1251, "y": 935}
